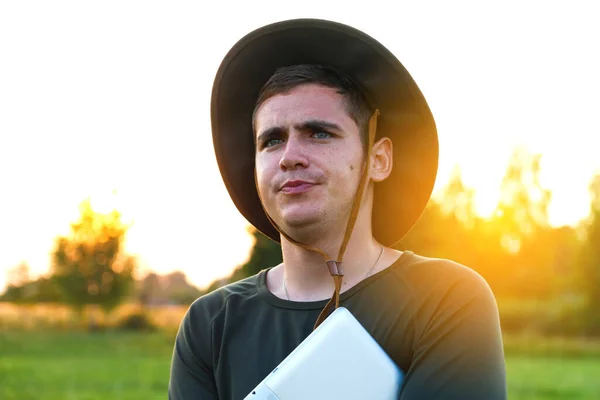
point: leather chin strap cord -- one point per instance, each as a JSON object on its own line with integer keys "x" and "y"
{"x": 335, "y": 266}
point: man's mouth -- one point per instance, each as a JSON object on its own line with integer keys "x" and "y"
{"x": 296, "y": 187}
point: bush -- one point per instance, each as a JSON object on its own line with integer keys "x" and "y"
{"x": 138, "y": 321}
{"x": 559, "y": 317}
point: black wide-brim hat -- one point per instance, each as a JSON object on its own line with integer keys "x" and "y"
{"x": 405, "y": 116}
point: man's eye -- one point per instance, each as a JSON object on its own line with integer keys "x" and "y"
{"x": 273, "y": 142}
{"x": 321, "y": 135}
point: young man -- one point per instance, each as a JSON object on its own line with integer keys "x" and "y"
{"x": 327, "y": 145}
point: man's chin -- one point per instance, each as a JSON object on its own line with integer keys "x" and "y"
{"x": 302, "y": 221}
{"x": 309, "y": 229}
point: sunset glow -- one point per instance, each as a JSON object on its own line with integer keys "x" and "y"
{"x": 111, "y": 102}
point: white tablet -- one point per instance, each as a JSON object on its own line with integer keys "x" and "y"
{"x": 338, "y": 360}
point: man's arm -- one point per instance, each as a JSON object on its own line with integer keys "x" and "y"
{"x": 460, "y": 352}
{"x": 191, "y": 370}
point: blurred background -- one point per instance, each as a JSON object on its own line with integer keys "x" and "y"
{"x": 113, "y": 216}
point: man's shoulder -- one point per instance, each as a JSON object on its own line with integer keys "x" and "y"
{"x": 203, "y": 315}
{"x": 440, "y": 289}
{"x": 212, "y": 303}
{"x": 441, "y": 273}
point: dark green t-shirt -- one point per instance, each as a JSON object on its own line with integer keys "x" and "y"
{"x": 437, "y": 319}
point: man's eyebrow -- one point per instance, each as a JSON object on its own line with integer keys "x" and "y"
{"x": 269, "y": 132}
{"x": 312, "y": 125}
{"x": 317, "y": 125}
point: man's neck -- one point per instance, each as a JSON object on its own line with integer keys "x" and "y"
{"x": 306, "y": 275}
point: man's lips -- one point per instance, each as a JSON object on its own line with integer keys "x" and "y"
{"x": 296, "y": 187}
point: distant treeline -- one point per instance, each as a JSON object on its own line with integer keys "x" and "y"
{"x": 545, "y": 278}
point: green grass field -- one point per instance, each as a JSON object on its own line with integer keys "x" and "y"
{"x": 53, "y": 365}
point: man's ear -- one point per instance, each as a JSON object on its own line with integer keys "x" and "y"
{"x": 381, "y": 159}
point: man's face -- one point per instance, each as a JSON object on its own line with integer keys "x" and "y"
{"x": 309, "y": 157}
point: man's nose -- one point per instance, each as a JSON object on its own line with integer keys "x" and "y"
{"x": 294, "y": 154}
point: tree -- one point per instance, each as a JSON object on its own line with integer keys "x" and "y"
{"x": 89, "y": 266}
{"x": 17, "y": 279}
{"x": 265, "y": 253}
{"x": 149, "y": 288}
{"x": 590, "y": 262}
{"x": 18, "y": 275}
{"x": 22, "y": 289}
{"x": 521, "y": 224}
{"x": 458, "y": 200}
{"x": 41, "y": 290}
{"x": 523, "y": 206}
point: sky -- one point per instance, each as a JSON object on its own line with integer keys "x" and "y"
{"x": 111, "y": 100}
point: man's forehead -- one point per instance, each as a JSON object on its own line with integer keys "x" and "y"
{"x": 301, "y": 104}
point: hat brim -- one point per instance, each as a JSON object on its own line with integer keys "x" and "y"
{"x": 405, "y": 116}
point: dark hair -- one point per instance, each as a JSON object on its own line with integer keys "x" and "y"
{"x": 287, "y": 78}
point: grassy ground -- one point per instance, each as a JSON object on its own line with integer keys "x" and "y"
{"x": 82, "y": 366}
{"x": 550, "y": 378}
{"x": 53, "y": 365}
{"x": 552, "y": 368}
